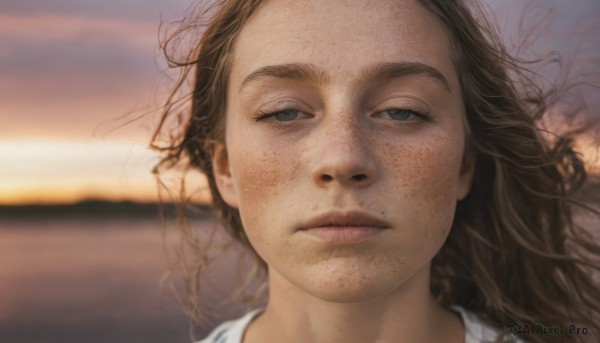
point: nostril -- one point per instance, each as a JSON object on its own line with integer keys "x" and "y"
{"x": 354, "y": 178}
{"x": 359, "y": 177}
{"x": 326, "y": 178}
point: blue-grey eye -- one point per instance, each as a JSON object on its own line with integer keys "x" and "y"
{"x": 287, "y": 115}
{"x": 399, "y": 114}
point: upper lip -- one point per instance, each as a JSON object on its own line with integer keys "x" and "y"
{"x": 344, "y": 218}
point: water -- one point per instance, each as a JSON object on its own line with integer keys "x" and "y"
{"x": 86, "y": 280}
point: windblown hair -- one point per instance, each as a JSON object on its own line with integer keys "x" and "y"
{"x": 515, "y": 253}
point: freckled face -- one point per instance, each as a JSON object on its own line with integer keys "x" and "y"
{"x": 339, "y": 106}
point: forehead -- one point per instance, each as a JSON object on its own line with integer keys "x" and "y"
{"x": 341, "y": 36}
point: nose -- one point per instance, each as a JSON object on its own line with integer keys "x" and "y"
{"x": 344, "y": 155}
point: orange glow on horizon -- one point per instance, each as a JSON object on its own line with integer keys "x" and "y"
{"x": 50, "y": 171}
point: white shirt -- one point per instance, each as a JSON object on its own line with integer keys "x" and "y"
{"x": 476, "y": 331}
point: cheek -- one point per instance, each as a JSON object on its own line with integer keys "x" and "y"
{"x": 426, "y": 176}
{"x": 262, "y": 177}
{"x": 429, "y": 167}
{"x": 432, "y": 174}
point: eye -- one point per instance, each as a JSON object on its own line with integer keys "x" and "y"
{"x": 399, "y": 114}
{"x": 280, "y": 117}
{"x": 286, "y": 115}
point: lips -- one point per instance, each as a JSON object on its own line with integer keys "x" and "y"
{"x": 351, "y": 227}
{"x": 345, "y": 219}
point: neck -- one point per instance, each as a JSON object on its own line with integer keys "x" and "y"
{"x": 407, "y": 314}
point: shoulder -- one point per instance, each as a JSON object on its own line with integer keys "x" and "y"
{"x": 231, "y": 331}
{"x": 478, "y": 331}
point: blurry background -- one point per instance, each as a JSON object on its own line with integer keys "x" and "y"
{"x": 81, "y": 250}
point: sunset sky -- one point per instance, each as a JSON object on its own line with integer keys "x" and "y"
{"x": 71, "y": 69}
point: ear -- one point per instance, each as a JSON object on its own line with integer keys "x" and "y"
{"x": 467, "y": 173}
{"x": 222, "y": 174}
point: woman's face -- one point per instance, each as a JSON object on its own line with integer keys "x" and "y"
{"x": 344, "y": 143}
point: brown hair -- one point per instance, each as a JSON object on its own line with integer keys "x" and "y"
{"x": 514, "y": 253}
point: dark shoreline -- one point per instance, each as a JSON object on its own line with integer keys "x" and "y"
{"x": 101, "y": 209}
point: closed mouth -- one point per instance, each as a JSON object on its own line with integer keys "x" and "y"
{"x": 345, "y": 219}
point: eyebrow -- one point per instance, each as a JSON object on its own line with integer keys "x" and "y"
{"x": 382, "y": 71}
{"x": 386, "y": 71}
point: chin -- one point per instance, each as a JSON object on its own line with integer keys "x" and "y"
{"x": 352, "y": 284}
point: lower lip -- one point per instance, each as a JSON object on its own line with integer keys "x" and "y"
{"x": 344, "y": 234}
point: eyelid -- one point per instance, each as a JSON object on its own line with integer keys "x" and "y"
{"x": 401, "y": 101}
{"x": 283, "y": 104}
{"x": 268, "y": 111}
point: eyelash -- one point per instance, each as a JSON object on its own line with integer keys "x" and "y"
{"x": 270, "y": 116}
{"x": 266, "y": 114}
{"x": 422, "y": 116}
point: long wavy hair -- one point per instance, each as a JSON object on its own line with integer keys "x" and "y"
{"x": 514, "y": 254}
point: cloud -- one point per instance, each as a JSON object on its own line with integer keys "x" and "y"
{"x": 147, "y": 10}
{"x": 563, "y": 27}
{"x": 64, "y": 74}
{"x": 57, "y": 43}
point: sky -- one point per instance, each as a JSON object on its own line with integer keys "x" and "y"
{"x": 73, "y": 71}
{"x": 69, "y": 72}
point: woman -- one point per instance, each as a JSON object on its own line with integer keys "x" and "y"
{"x": 387, "y": 172}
